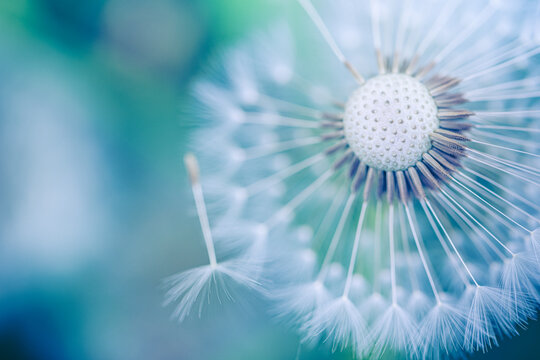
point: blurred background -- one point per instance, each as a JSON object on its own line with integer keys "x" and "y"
{"x": 95, "y": 206}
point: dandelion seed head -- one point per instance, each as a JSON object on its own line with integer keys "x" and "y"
{"x": 393, "y": 197}
{"x": 388, "y": 121}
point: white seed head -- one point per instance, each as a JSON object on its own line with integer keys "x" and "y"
{"x": 388, "y": 121}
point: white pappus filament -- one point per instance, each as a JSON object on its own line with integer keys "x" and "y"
{"x": 391, "y": 206}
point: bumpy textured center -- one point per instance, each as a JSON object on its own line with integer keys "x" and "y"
{"x": 388, "y": 121}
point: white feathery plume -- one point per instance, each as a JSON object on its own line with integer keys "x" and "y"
{"x": 395, "y": 330}
{"x": 340, "y": 322}
{"x": 297, "y": 303}
{"x": 519, "y": 276}
{"x": 242, "y": 79}
{"x": 491, "y": 314}
{"x": 456, "y": 79}
{"x": 441, "y": 331}
{"x": 340, "y": 319}
{"x": 300, "y": 300}
{"x": 216, "y": 101}
{"x": 195, "y": 285}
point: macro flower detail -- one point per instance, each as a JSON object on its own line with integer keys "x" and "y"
{"x": 192, "y": 286}
{"x": 392, "y": 212}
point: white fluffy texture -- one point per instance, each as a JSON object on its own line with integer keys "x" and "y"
{"x": 341, "y": 323}
{"x": 491, "y": 314}
{"x": 441, "y": 332}
{"x": 519, "y": 279}
{"x": 395, "y": 330}
{"x": 235, "y": 239}
{"x": 201, "y": 284}
{"x": 274, "y": 91}
{"x": 388, "y": 121}
{"x": 276, "y": 50}
{"x": 298, "y": 303}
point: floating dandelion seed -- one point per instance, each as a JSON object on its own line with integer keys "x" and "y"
{"x": 420, "y": 183}
{"x": 194, "y": 285}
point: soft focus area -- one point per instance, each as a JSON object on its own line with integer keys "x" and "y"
{"x": 95, "y": 204}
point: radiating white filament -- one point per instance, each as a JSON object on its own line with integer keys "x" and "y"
{"x": 319, "y": 23}
{"x": 193, "y": 170}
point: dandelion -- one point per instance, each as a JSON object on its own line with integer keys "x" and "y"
{"x": 194, "y": 285}
{"x": 397, "y": 204}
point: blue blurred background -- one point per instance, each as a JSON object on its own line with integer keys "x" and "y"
{"x": 95, "y": 207}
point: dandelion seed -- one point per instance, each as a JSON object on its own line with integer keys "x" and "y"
{"x": 416, "y": 166}
{"x": 441, "y": 332}
{"x": 199, "y": 284}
